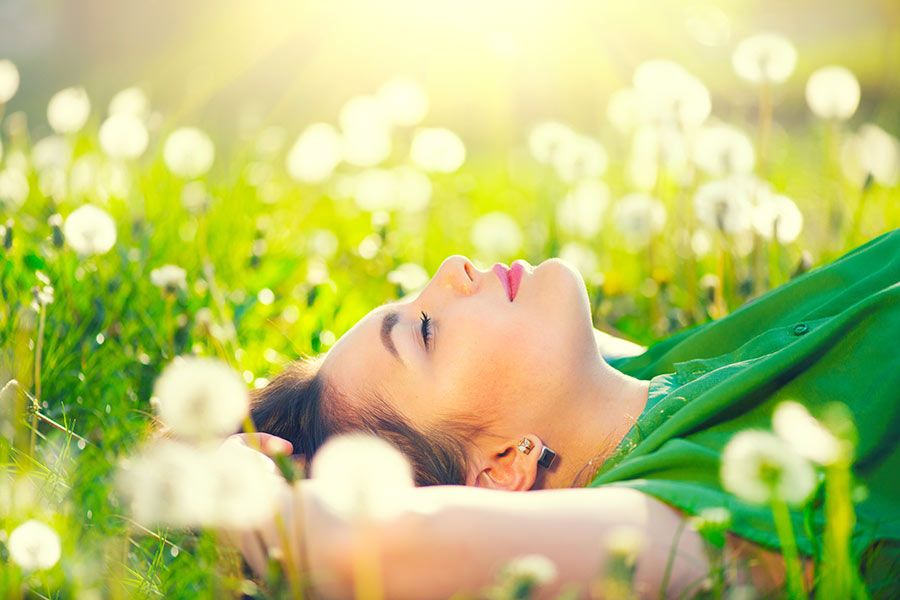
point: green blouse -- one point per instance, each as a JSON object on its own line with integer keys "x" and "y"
{"x": 830, "y": 334}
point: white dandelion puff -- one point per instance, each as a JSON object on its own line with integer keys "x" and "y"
{"x": 14, "y": 188}
{"x": 874, "y": 152}
{"x": 9, "y": 80}
{"x": 34, "y": 546}
{"x": 409, "y": 276}
{"x": 374, "y": 190}
{"x": 833, "y": 93}
{"x": 437, "y": 149}
{"x": 496, "y": 235}
{"x": 131, "y": 102}
{"x": 581, "y": 257}
{"x": 723, "y": 149}
{"x": 315, "y": 154}
{"x": 547, "y": 138}
{"x": 322, "y": 242}
{"x": 758, "y": 466}
{"x": 581, "y": 158}
{"x": 169, "y": 483}
{"x": 51, "y": 152}
{"x": 90, "y": 230}
{"x": 724, "y": 205}
{"x": 247, "y": 486}
{"x": 123, "y": 136}
{"x": 764, "y": 58}
{"x": 200, "y": 398}
{"x": 169, "y": 278}
{"x": 776, "y": 216}
{"x": 189, "y": 152}
{"x": 536, "y": 568}
{"x": 638, "y": 217}
{"x": 580, "y": 212}
{"x": 672, "y": 93}
{"x": 366, "y": 147}
{"x": 413, "y": 189}
{"x": 809, "y": 438}
{"x": 403, "y": 101}
{"x": 68, "y": 110}
{"x": 362, "y": 475}
{"x": 626, "y": 543}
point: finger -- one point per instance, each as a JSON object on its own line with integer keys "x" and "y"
{"x": 264, "y": 442}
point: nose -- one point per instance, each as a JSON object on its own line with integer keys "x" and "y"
{"x": 457, "y": 274}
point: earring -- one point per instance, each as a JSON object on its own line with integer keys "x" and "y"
{"x": 525, "y": 445}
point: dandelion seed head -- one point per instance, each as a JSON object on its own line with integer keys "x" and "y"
{"x": 724, "y": 205}
{"x": 123, "y": 136}
{"x": 626, "y": 542}
{"x": 68, "y": 110}
{"x": 361, "y": 474}
{"x": 723, "y": 149}
{"x": 51, "y": 152}
{"x": 536, "y": 568}
{"x": 131, "y": 102}
{"x": 437, "y": 149}
{"x": 189, "y": 152}
{"x": 638, "y": 217}
{"x": 874, "y": 152}
{"x": 833, "y": 92}
{"x": 547, "y": 138}
{"x": 580, "y": 212}
{"x": 169, "y": 278}
{"x": 403, "y": 101}
{"x": 322, "y": 242}
{"x": 9, "y": 80}
{"x": 409, "y": 276}
{"x": 776, "y": 216}
{"x": 581, "y": 158}
{"x": 582, "y": 257}
{"x": 315, "y": 154}
{"x": 90, "y": 230}
{"x": 496, "y": 235}
{"x": 758, "y": 466}
{"x": 764, "y": 58}
{"x": 34, "y": 546}
{"x": 14, "y": 188}
{"x": 201, "y": 398}
{"x": 808, "y": 437}
{"x": 247, "y": 486}
{"x": 366, "y": 147}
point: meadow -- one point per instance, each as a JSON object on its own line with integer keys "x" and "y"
{"x": 128, "y": 239}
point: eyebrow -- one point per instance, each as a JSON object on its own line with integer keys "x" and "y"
{"x": 387, "y": 324}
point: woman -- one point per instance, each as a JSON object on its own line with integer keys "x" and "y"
{"x": 474, "y": 376}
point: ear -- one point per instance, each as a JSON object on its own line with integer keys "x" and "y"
{"x": 507, "y": 467}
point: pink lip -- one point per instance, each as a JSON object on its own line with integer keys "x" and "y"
{"x": 510, "y": 277}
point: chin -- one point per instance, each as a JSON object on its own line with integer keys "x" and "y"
{"x": 569, "y": 299}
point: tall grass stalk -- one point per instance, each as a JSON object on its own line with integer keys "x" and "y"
{"x": 792, "y": 567}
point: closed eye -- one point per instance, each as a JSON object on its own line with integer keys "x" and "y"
{"x": 426, "y": 329}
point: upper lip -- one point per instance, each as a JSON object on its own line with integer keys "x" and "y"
{"x": 503, "y": 274}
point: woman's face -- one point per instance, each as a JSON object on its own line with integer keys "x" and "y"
{"x": 487, "y": 357}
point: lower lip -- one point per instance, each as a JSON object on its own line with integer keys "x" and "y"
{"x": 516, "y": 271}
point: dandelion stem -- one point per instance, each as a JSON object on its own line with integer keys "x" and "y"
{"x": 366, "y": 574}
{"x": 838, "y": 579}
{"x": 765, "y": 125}
{"x": 785, "y": 531}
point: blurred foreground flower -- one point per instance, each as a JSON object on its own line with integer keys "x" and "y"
{"x": 724, "y": 205}
{"x": 189, "y": 152}
{"x": 9, "y": 80}
{"x": 764, "y": 58}
{"x": 537, "y": 568}
{"x": 362, "y": 475}
{"x": 777, "y": 217}
{"x": 14, "y": 188}
{"x": 68, "y": 110}
{"x": 123, "y": 136}
{"x": 437, "y": 149}
{"x": 672, "y": 94}
{"x": 758, "y": 466}
{"x": 200, "y": 398}
{"x": 169, "y": 278}
{"x": 809, "y": 438}
{"x": 173, "y": 483}
{"x": 34, "y": 546}
{"x": 315, "y": 154}
{"x": 723, "y": 149}
{"x": 90, "y": 230}
{"x": 833, "y": 93}
{"x": 496, "y": 235}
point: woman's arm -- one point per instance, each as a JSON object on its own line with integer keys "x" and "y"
{"x": 455, "y": 538}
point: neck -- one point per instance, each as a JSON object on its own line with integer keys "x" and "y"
{"x": 586, "y": 429}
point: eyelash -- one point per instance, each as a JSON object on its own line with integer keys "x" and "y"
{"x": 426, "y": 328}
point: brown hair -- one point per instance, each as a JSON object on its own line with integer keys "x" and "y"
{"x": 301, "y": 406}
